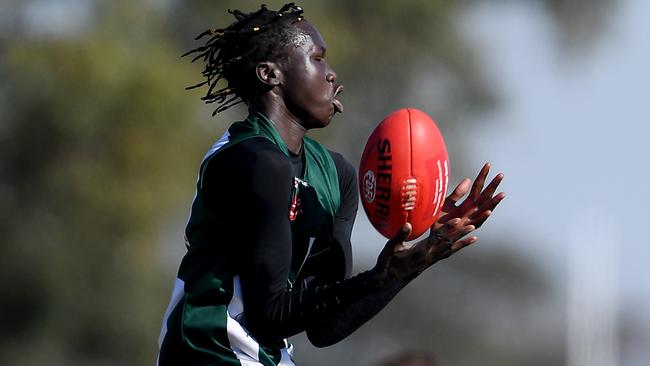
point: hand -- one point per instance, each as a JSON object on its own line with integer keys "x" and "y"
{"x": 473, "y": 211}
{"x": 479, "y": 204}
{"x": 403, "y": 261}
{"x": 448, "y": 234}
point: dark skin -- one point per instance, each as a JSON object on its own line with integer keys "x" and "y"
{"x": 301, "y": 86}
{"x": 449, "y": 233}
{"x": 302, "y": 90}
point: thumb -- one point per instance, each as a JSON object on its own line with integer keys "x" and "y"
{"x": 392, "y": 247}
{"x": 399, "y": 238}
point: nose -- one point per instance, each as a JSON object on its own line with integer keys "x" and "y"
{"x": 331, "y": 76}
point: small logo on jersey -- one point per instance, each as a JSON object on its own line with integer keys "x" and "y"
{"x": 295, "y": 207}
{"x": 369, "y": 186}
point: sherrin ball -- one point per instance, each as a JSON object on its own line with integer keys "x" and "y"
{"x": 404, "y": 172}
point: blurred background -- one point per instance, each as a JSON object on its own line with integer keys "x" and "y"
{"x": 100, "y": 146}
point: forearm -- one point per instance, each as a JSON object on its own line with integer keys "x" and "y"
{"x": 318, "y": 308}
{"x": 333, "y": 328}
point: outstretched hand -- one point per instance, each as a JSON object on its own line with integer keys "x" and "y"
{"x": 478, "y": 205}
{"x": 449, "y": 233}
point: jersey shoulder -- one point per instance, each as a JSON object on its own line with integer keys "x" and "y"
{"x": 246, "y": 164}
{"x": 344, "y": 168}
{"x": 348, "y": 185}
{"x": 251, "y": 154}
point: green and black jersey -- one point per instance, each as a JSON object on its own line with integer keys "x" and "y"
{"x": 268, "y": 254}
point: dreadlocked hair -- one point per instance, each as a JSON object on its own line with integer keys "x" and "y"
{"x": 232, "y": 53}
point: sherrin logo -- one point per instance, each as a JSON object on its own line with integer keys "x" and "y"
{"x": 369, "y": 186}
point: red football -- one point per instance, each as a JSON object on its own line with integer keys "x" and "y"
{"x": 404, "y": 173}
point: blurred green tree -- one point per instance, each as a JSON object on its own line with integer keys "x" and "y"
{"x": 97, "y": 144}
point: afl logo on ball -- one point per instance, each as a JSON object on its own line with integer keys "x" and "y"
{"x": 369, "y": 186}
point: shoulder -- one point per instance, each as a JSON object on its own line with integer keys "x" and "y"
{"x": 251, "y": 159}
{"x": 250, "y": 153}
{"x": 344, "y": 168}
{"x": 348, "y": 185}
{"x": 257, "y": 148}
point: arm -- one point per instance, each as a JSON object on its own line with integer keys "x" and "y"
{"x": 397, "y": 264}
{"x": 256, "y": 196}
{"x": 333, "y": 328}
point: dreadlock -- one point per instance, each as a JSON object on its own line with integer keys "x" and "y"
{"x": 231, "y": 53}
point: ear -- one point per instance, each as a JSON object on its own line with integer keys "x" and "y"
{"x": 268, "y": 73}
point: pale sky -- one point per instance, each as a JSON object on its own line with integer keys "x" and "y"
{"x": 570, "y": 134}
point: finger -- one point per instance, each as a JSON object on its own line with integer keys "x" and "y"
{"x": 462, "y": 232}
{"x": 492, "y": 203}
{"x": 488, "y": 192}
{"x": 443, "y": 238}
{"x": 437, "y": 226}
{"x": 480, "y": 219}
{"x": 477, "y": 187}
{"x": 439, "y": 232}
{"x": 462, "y": 243}
{"x": 458, "y": 234}
{"x": 461, "y": 189}
{"x": 469, "y": 214}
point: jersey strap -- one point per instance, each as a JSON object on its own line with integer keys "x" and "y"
{"x": 320, "y": 170}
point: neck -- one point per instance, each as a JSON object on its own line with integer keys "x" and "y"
{"x": 287, "y": 125}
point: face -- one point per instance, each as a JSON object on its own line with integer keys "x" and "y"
{"x": 309, "y": 87}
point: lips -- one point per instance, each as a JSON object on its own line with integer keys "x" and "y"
{"x": 338, "y": 106}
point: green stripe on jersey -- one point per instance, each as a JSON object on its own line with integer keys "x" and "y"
{"x": 205, "y": 315}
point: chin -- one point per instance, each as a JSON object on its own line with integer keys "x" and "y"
{"x": 321, "y": 122}
{"x": 326, "y": 122}
{"x": 318, "y": 125}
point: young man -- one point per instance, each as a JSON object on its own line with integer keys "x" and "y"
{"x": 269, "y": 252}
